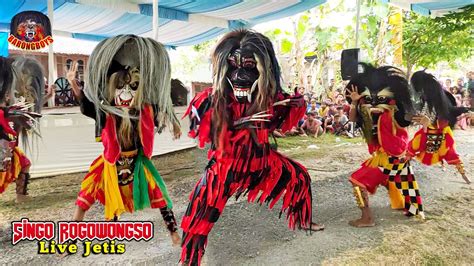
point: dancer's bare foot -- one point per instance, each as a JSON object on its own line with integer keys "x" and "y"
{"x": 464, "y": 176}
{"x": 175, "y": 239}
{"x": 20, "y": 198}
{"x": 314, "y": 227}
{"x": 362, "y": 222}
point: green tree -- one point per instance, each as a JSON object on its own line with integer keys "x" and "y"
{"x": 309, "y": 39}
{"x": 428, "y": 41}
{"x": 312, "y": 35}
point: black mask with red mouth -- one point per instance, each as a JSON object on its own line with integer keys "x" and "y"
{"x": 242, "y": 74}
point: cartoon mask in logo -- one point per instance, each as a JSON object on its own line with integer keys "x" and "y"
{"x": 30, "y": 31}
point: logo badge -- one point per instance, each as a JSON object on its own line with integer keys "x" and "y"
{"x": 30, "y": 30}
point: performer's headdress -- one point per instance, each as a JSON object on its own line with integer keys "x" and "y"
{"x": 245, "y": 69}
{"x": 130, "y": 71}
{"x": 27, "y": 102}
{"x": 31, "y": 84}
{"x": 437, "y": 100}
{"x": 7, "y": 76}
{"x": 384, "y": 87}
{"x": 21, "y": 90}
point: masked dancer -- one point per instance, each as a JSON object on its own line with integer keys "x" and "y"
{"x": 434, "y": 142}
{"x": 128, "y": 94}
{"x": 236, "y": 117}
{"x": 22, "y": 88}
{"x": 380, "y": 101}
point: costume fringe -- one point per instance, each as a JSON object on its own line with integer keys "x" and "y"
{"x": 19, "y": 161}
{"x": 264, "y": 179}
{"x": 101, "y": 183}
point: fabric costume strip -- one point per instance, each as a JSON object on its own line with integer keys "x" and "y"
{"x": 146, "y": 190}
{"x": 386, "y": 168}
{"x": 19, "y": 161}
{"x": 446, "y": 150}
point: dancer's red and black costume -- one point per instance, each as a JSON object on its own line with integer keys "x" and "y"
{"x": 384, "y": 101}
{"x": 434, "y": 142}
{"x": 237, "y": 117}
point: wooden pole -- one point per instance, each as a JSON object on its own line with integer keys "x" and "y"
{"x": 51, "y": 65}
{"x": 155, "y": 20}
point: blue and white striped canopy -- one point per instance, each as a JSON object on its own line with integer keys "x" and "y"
{"x": 434, "y": 8}
{"x": 181, "y": 22}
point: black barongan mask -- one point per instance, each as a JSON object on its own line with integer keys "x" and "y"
{"x": 242, "y": 74}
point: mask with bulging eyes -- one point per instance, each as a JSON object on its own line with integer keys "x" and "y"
{"x": 242, "y": 74}
{"x": 379, "y": 98}
{"x": 125, "y": 84}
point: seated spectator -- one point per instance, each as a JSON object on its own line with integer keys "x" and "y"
{"x": 447, "y": 84}
{"x": 339, "y": 127}
{"x": 323, "y": 110}
{"x": 327, "y": 124}
{"x": 460, "y": 85}
{"x": 301, "y": 90}
{"x": 332, "y": 109}
{"x": 339, "y": 99}
{"x": 312, "y": 106}
{"x": 346, "y": 107}
{"x": 470, "y": 87}
{"x": 466, "y": 102}
{"x": 457, "y": 95}
{"x": 462, "y": 123}
{"x": 312, "y": 126}
{"x": 342, "y": 114}
{"x": 306, "y": 99}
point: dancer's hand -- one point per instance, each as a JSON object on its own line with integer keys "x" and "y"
{"x": 353, "y": 94}
{"x": 297, "y": 101}
{"x": 49, "y": 93}
{"x": 248, "y": 121}
{"x": 71, "y": 78}
{"x": 72, "y": 72}
{"x": 421, "y": 120}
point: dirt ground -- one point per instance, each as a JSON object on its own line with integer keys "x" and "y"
{"x": 250, "y": 234}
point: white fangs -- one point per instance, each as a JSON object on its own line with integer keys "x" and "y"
{"x": 242, "y": 93}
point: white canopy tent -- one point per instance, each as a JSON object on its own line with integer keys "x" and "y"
{"x": 434, "y": 8}
{"x": 67, "y": 144}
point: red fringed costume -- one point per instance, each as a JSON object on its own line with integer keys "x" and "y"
{"x": 246, "y": 164}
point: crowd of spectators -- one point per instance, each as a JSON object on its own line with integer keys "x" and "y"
{"x": 328, "y": 114}
{"x": 324, "y": 115}
{"x": 463, "y": 92}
